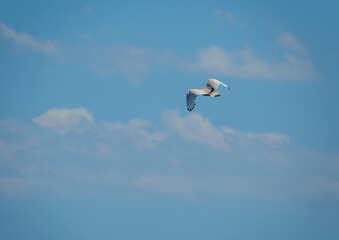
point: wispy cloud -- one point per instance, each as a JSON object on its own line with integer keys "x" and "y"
{"x": 130, "y": 61}
{"x": 289, "y": 41}
{"x": 245, "y": 64}
{"x": 140, "y": 130}
{"x": 243, "y": 138}
{"x": 134, "y": 62}
{"x": 87, "y": 8}
{"x": 26, "y": 41}
{"x": 225, "y": 14}
{"x": 232, "y": 20}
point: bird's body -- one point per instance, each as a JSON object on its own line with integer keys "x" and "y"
{"x": 208, "y": 90}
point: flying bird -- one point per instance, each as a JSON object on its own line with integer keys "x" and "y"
{"x": 208, "y": 90}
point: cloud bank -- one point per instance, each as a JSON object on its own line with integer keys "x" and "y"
{"x": 183, "y": 156}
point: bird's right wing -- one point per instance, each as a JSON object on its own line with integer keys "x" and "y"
{"x": 191, "y": 96}
{"x": 224, "y": 85}
{"x": 212, "y": 85}
{"x": 190, "y": 100}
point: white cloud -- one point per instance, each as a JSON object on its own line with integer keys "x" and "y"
{"x": 66, "y": 120}
{"x": 215, "y": 60}
{"x": 27, "y": 41}
{"x": 195, "y": 128}
{"x": 80, "y": 120}
{"x": 287, "y": 40}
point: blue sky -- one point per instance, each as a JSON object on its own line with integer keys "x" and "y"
{"x": 96, "y": 141}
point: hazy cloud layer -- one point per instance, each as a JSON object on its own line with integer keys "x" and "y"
{"x": 134, "y": 62}
{"x": 25, "y": 41}
{"x": 186, "y": 156}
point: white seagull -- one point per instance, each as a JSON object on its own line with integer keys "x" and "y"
{"x": 208, "y": 90}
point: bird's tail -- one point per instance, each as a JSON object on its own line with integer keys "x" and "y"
{"x": 215, "y": 94}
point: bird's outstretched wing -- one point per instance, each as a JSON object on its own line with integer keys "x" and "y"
{"x": 190, "y": 100}
{"x": 212, "y": 85}
{"x": 224, "y": 85}
{"x": 191, "y": 96}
